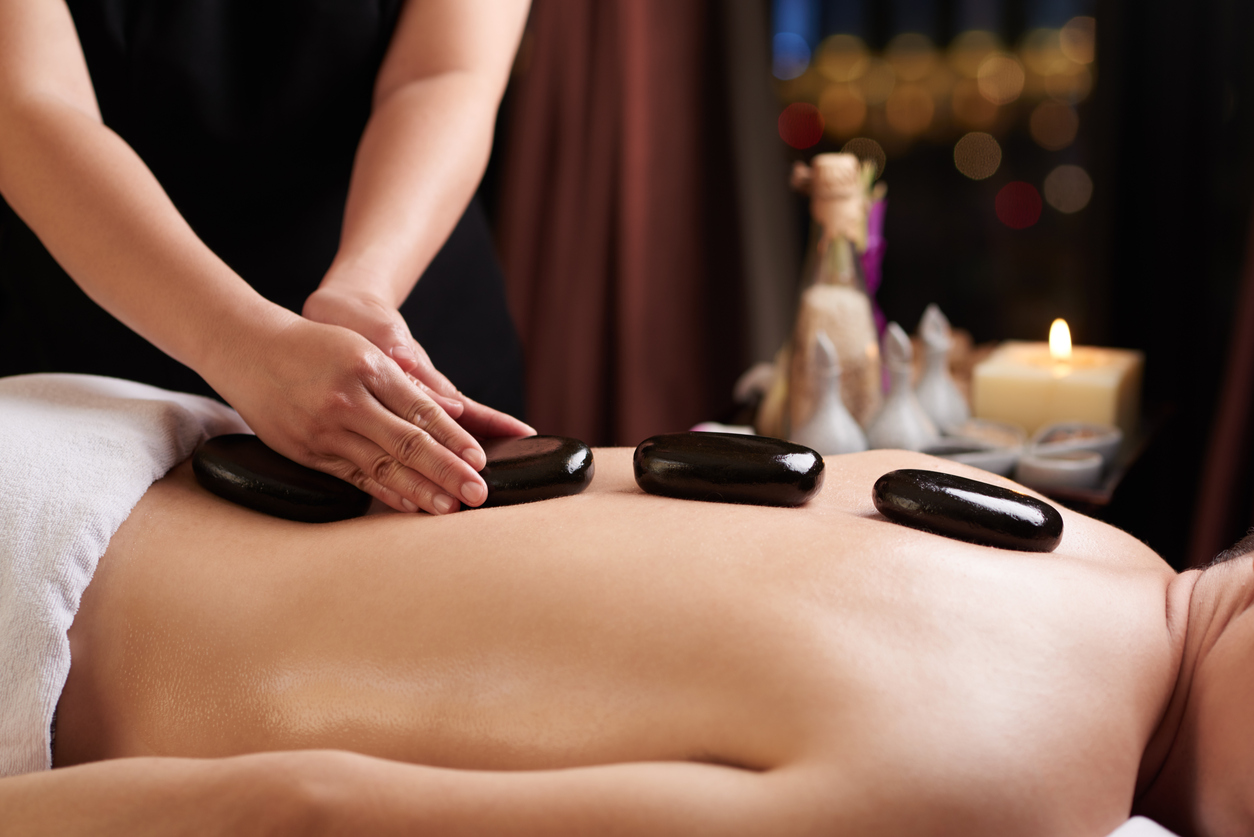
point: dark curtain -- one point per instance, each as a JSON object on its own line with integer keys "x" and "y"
{"x": 1225, "y": 507}
{"x": 1175, "y": 120}
{"x": 617, "y": 219}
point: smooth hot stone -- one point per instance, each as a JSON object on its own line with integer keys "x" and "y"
{"x": 240, "y": 468}
{"x": 728, "y": 468}
{"x": 968, "y": 510}
{"x": 535, "y": 468}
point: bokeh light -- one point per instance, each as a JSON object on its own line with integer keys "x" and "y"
{"x": 1068, "y": 189}
{"x": 940, "y": 83}
{"x": 1018, "y": 205}
{"x": 843, "y": 109}
{"x": 1078, "y": 39}
{"x": 910, "y": 109}
{"x": 1054, "y": 125}
{"x": 974, "y": 96}
{"x": 1068, "y": 81}
{"x": 790, "y": 55}
{"x": 801, "y": 125}
{"x": 912, "y": 56}
{"x": 877, "y": 82}
{"x": 970, "y": 48}
{"x": 841, "y": 58}
{"x": 1001, "y": 78}
{"x": 867, "y": 149}
{"x": 1040, "y": 49}
{"x": 970, "y": 107}
{"x": 977, "y": 155}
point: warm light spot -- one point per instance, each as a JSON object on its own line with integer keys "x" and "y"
{"x": 910, "y": 109}
{"x": 911, "y": 55}
{"x": 940, "y": 84}
{"x": 1068, "y": 189}
{"x": 867, "y": 149}
{"x": 1059, "y": 340}
{"x": 1054, "y": 125}
{"x": 1040, "y": 49}
{"x": 1068, "y": 81}
{"x": 1001, "y": 78}
{"x": 977, "y": 155}
{"x": 970, "y": 107}
{"x": 1078, "y": 39}
{"x": 843, "y": 109}
{"x": 969, "y": 49}
{"x": 801, "y": 125}
{"x": 790, "y": 55}
{"x": 877, "y": 82}
{"x": 841, "y": 58}
{"x": 1018, "y": 205}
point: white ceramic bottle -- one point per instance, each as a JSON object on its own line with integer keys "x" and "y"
{"x": 902, "y": 422}
{"x": 830, "y": 428}
{"x": 936, "y": 390}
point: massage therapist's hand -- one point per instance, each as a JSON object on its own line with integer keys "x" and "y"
{"x": 328, "y": 398}
{"x": 373, "y": 318}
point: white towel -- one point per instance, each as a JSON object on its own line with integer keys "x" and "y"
{"x": 1141, "y": 827}
{"x": 76, "y": 454}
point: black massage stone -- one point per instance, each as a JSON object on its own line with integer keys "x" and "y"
{"x": 535, "y": 468}
{"x": 240, "y": 468}
{"x": 728, "y": 468}
{"x": 968, "y": 510}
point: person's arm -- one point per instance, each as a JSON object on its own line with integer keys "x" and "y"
{"x": 419, "y": 162}
{"x": 326, "y": 792}
{"x": 320, "y": 394}
{"x": 357, "y": 795}
{"x": 161, "y": 797}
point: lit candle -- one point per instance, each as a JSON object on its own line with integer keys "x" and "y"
{"x": 1035, "y": 384}
{"x": 1059, "y": 341}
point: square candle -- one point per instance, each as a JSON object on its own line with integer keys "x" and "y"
{"x": 1021, "y": 383}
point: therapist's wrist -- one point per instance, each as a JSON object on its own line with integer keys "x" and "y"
{"x": 239, "y": 338}
{"x": 368, "y": 279}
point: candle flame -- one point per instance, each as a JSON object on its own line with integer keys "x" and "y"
{"x": 1060, "y": 340}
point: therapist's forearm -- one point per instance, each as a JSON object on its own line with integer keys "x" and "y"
{"x": 417, "y": 167}
{"x": 104, "y": 217}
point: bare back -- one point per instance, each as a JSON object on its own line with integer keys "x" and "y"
{"x": 1011, "y": 691}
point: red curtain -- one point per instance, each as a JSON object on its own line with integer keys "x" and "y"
{"x": 1224, "y": 510}
{"x": 608, "y": 226}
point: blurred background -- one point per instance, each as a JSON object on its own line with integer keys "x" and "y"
{"x": 1085, "y": 159}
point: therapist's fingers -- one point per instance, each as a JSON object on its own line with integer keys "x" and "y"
{"x": 412, "y": 457}
{"x": 420, "y": 436}
{"x": 424, "y": 370}
{"x": 487, "y": 423}
{"x": 453, "y": 406}
{"x": 377, "y": 466}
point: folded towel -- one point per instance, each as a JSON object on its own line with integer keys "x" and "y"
{"x": 76, "y": 454}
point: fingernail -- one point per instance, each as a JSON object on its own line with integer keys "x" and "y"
{"x": 475, "y": 458}
{"x": 410, "y": 505}
{"x": 403, "y": 354}
{"x": 444, "y": 504}
{"x": 473, "y": 493}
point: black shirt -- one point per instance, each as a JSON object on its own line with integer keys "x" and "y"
{"x": 249, "y": 113}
